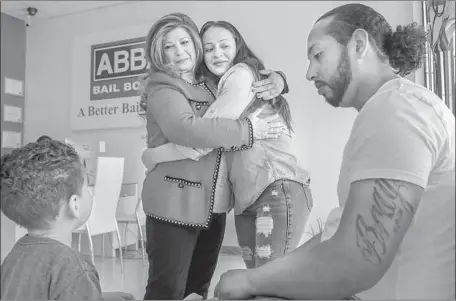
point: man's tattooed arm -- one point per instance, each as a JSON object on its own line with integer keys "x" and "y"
{"x": 389, "y": 213}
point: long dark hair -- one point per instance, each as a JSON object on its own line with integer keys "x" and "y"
{"x": 403, "y": 48}
{"x": 245, "y": 55}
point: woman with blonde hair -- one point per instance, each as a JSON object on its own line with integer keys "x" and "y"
{"x": 271, "y": 189}
{"x": 185, "y": 200}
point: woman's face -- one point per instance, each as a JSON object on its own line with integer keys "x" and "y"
{"x": 219, "y": 50}
{"x": 180, "y": 50}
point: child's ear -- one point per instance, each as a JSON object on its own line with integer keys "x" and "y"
{"x": 73, "y": 207}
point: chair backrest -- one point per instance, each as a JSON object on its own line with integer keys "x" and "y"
{"x": 128, "y": 201}
{"x": 106, "y": 193}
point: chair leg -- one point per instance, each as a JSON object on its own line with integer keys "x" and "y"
{"x": 136, "y": 242}
{"x": 91, "y": 245}
{"x": 120, "y": 249}
{"x": 125, "y": 237}
{"x": 143, "y": 251}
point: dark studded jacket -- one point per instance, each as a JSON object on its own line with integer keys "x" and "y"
{"x": 183, "y": 192}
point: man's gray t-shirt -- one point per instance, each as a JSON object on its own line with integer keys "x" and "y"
{"x": 39, "y": 268}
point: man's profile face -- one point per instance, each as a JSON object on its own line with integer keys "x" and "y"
{"x": 329, "y": 64}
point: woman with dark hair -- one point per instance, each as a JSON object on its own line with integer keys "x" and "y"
{"x": 393, "y": 236}
{"x": 182, "y": 200}
{"x": 272, "y": 199}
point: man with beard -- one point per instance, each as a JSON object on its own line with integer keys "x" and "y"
{"x": 393, "y": 236}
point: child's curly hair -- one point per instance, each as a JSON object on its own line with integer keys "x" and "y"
{"x": 37, "y": 180}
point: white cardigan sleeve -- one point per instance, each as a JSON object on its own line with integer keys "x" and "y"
{"x": 234, "y": 96}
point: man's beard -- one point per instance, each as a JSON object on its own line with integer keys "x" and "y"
{"x": 340, "y": 81}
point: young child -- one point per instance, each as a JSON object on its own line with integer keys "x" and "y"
{"x": 44, "y": 189}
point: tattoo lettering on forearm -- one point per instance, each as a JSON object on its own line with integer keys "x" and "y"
{"x": 389, "y": 205}
{"x": 397, "y": 222}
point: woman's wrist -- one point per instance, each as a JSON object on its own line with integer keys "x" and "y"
{"x": 247, "y": 138}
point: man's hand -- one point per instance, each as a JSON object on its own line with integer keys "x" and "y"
{"x": 118, "y": 296}
{"x": 270, "y": 87}
{"x": 233, "y": 285}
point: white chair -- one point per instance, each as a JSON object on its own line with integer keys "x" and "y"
{"x": 129, "y": 211}
{"x": 106, "y": 193}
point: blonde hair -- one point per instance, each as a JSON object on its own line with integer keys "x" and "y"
{"x": 155, "y": 52}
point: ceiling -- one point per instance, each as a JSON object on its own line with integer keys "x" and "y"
{"x": 51, "y": 9}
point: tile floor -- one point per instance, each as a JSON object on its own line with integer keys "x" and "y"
{"x": 134, "y": 278}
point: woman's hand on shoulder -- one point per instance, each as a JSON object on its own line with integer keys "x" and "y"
{"x": 270, "y": 87}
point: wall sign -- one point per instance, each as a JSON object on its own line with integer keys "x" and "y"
{"x": 116, "y": 67}
{"x": 106, "y": 73}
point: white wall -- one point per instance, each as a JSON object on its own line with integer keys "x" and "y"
{"x": 277, "y": 32}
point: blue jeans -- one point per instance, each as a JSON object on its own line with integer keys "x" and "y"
{"x": 264, "y": 238}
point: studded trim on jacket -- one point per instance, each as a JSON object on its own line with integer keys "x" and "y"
{"x": 206, "y": 224}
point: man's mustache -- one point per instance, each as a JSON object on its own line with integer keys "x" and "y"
{"x": 320, "y": 83}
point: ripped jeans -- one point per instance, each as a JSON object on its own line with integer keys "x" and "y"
{"x": 274, "y": 223}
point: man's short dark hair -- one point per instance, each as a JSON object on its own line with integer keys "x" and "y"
{"x": 37, "y": 180}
